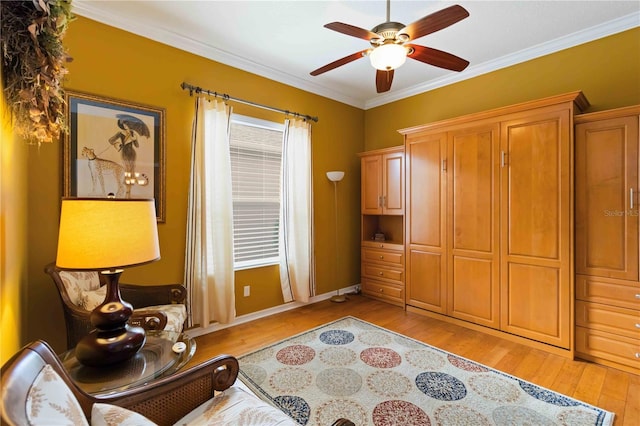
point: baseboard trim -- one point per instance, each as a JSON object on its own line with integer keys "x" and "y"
{"x": 199, "y": 331}
{"x": 566, "y": 353}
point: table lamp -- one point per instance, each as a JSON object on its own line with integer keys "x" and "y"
{"x": 107, "y": 235}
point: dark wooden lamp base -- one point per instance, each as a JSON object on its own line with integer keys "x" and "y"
{"x": 113, "y": 340}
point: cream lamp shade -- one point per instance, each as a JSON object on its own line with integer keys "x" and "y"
{"x": 101, "y": 234}
{"x": 335, "y": 176}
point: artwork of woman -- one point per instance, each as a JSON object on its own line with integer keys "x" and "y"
{"x": 126, "y": 142}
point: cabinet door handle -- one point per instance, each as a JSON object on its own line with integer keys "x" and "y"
{"x": 631, "y": 198}
{"x": 384, "y": 200}
{"x": 444, "y": 165}
{"x": 503, "y": 156}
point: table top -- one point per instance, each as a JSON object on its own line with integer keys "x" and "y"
{"x": 154, "y": 360}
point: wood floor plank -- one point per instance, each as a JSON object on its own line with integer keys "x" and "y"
{"x": 590, "y": 385}
{"x": 632, "y": 402}
{"x": 610, "y": 389}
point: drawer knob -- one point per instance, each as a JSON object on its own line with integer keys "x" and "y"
{"x": 638, "y": 296}
{"x": 381, "y": 245}
{"x": 381, "y": 257}
{"x": 382, "y": 291}
{"x": 637, "y": 325}
{"x": 382, "y": 273}
{"x": 638, "y": 355}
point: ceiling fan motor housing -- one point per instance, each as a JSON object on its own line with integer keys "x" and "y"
{"x": 389, "y": 31}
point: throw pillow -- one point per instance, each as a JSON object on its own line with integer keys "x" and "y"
{"x": 236, "y": 407}
{"x": 50, "y": 401}
{"x": 112, "y": 415}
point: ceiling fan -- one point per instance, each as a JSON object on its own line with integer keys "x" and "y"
{"x": 390, "y": 44}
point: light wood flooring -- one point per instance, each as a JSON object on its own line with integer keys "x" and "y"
{"x": 605, "y": 387}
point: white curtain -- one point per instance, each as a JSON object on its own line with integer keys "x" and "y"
{"x": 209, "y": 274}
{"x": 296, "y": 236}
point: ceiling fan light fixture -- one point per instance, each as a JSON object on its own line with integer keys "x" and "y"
{"x": 388, "y": 56}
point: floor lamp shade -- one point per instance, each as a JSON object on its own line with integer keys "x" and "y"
{"x": 335, "y": 176}
{"x": 106, "y": 235}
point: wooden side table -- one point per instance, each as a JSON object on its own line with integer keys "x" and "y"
{"x": 154, "y": 360}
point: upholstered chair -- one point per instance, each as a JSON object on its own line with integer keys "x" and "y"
{"x": 36, "y": 390}
{"x": 156, "y": 307}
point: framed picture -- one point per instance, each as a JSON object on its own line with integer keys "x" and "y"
{"x": 114, "y": 149}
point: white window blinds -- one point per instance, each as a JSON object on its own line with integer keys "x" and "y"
{"x": 256, "y": 155}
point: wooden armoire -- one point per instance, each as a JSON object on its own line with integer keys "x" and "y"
{"x": 607, "y": 251}
{"x": 489, "y": 217}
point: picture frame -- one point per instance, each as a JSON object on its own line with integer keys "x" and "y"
{"x": 114, "y": 148}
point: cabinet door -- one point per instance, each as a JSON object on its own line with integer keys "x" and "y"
{"x": 426, "y": 222}
{"x": 536, "y": 226}
{"x": 606, "y": 176}
{"x": 473, "y": 214}
{"x": 371, "y": 178}
{"x": 392, "y": 183}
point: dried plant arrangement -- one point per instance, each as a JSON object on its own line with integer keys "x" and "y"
{"x": 33, "y": 65}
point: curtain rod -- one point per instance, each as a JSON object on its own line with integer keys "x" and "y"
{"x": 196, "y": 89}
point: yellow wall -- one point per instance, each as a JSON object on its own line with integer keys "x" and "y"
{"x": 117, "y": 64}
{"x": 606, "y": 70}
{"x": 114, "y": 63}
{"x": 13, "y": 228}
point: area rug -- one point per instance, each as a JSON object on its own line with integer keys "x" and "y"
{"x": 352, "y": 369}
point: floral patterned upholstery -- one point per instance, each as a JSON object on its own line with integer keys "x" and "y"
{"x": 50, "y": 401}
{"x": 236, "y": 406}
{"x": 112, "y": 415}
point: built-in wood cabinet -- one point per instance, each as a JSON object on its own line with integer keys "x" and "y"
{"x": 489, "y": 220}
{"x": 607, "y": 238}
{"x": 382, "y": 258}
{"x": 382, "y": 182}
{"x": 426, "y": 209}
{"x": 537, "y": 225}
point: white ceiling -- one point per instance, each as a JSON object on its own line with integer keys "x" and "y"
{"x": 285, "y": 40}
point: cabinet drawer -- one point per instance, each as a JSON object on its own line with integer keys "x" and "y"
{"x": 621, "y": 321}
{"x": 380, "y": 289}
{"x": 622, "y": 293}
{"x": 372, "y": 270}
{"x": 598, "y": 344}
{"x": 382, "y": 256}
{"x": 382, "y": 245}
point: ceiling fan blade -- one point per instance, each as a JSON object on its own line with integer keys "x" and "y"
{"x": 339, "y": 62}
{"x": 437, "y": 58}
{"x": 435, "y": 22}
{"x": 383, "y": 80}
{"x": 352, "y": 30}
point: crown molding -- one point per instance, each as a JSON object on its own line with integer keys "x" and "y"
{"x": 580, "y": 37}
{"x": 85, "y": 8}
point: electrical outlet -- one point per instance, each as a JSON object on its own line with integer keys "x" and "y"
{"x": 247, "y": 290}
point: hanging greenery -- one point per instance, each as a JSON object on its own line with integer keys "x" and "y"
{"x": 33, "y": 65}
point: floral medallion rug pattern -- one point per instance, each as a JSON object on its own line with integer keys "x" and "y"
{"x": 372, "y": 376}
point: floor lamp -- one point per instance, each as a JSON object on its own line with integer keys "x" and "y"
{"x": 335, "y": 177}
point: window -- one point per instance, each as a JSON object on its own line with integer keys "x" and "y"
{"x": 256, "y": 155}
